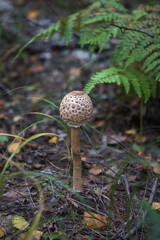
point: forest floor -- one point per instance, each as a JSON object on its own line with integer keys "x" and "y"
{"x": 120, "y": 166}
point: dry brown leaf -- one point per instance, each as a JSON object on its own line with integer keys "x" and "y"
{"x": 84, "y": 159}
{"x": 131, "y": 131}
{"x": 132, "y": 178}
{"x": 2, "y": 116}
{"x": 99, "y": 123}
{"x": 156, "y": 206}
{"x": 96, "y": 169}
{"x": 12, "y": 148}
{"x": 140, "y": 139}
{"x": 142, "y": 154}
{"x": 115, "y": 138}
{"x": 1, "y": 104}
{"x": 143, "y": 166}
{"x": 94, "y": 221}
{"x": 31, "y": 14}
{"x": 75, "y": 72}
{"x": 35, "y": 69}
{"x": 37, "y": 165}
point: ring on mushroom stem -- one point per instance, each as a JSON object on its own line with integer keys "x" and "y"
{"x": 76, "y": 109}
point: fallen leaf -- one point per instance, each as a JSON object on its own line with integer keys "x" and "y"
{"x": 13, "y": 75}
{"x": 2, "y": 232}
{"x": 53, "y": 140}
{"x": 131, "y": 131}
{"x": 1, "y": 104}
{"x": 94, "y": 221}
{"x": 143, "y": 166}
{"x": 115, "y": 138}
{"x": 84, "y": 159}
{"x": 99, "y": 123}
{"x": 35, "y": 69}
{"x": 36, "y": 235}
{"x": 140, "y": 139}
{"x": 75, "y": 72}
{"x": 19, "y": 222}
{"x": 143, "y": 155}
{"x": 17, "y": 118}
{"x": 156, "y": 167}
{"x": 132, "y": 178}
{"x": 96, "y": 169}
{"x": 156, "y": 206}
{"x": 31, "y": 14}
{"x": 2, "y": 116}
{"x": 37, "y": 165}
{"x": 13, "y": 147}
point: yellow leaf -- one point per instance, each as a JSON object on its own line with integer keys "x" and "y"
{"x": 156, "y": 206}
{"x": 94, "y": 221}
{"x": 12, "y": 148}
{"x": 2, "y": 232}
{"x": 131, "y": 131}
{"x": 31, "y": 14}
{"x": 53, "y": 139}
{"x": 19, "y": 222}
{"x": 36, "y": 235}
{"x": 143, "y": 166}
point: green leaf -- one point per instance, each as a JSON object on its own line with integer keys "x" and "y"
{"x": 19, "y": 222}
{"x": 3, "y": 139}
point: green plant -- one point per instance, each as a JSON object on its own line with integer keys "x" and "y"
{"x": 137, "y": 62}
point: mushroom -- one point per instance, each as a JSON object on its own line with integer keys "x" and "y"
{"x": 76, "y": 109}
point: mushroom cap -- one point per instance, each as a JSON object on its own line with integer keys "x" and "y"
{"x": 76, "y": 108}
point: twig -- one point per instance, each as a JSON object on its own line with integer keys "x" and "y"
{"x": 131, "y": 29}
{"x": 133, "y": 230}
{"x": 125, "y": 183}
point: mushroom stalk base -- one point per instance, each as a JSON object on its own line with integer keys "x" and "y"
{"x": 77, "y": 164}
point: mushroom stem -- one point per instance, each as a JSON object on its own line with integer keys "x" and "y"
{"x": 77, "y": 164}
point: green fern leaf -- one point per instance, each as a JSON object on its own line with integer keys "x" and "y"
{"x": 151, "y": 59}
{"x": 49, "y": 32}
{"x": 134, "y": 82}
{"x": 69, "y": 28}
{"x": 153, "y": 65}
{"x": 109, "y": 75}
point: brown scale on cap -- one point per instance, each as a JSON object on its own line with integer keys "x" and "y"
{"x": 76, "y": 108}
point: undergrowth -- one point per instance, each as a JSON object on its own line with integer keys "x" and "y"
{"x": 137, "y": 62}
{"x": 66, "y": 207}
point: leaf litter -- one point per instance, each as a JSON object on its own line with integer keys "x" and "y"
{"x": 105, "y": 197}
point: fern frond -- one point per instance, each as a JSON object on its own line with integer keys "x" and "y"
{"x": 109, "y": 75}
{"x": 69, "y": 28}
{"x": 140, "y": 83}
{"x": 150, "y": 59}
{"x": 47, "y": 33}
